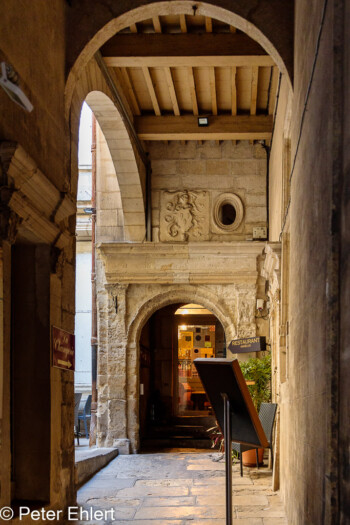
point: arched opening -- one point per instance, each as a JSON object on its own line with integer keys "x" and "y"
{"x": 258, "y": 26}
{"x": 173, "y": 409}
{"x": 234, "y": 91}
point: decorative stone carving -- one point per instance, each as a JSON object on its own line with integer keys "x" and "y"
{"x": 22, "y": 187}
{"x": 184, "y": 216}
{"x": 247, "y": 325}
{"x": 271, "y": 271}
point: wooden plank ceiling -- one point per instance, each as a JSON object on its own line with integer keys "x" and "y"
{"x": 173, "y": 69}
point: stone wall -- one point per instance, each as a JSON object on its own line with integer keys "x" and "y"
{"x": 37, "y": 216}
{"x": 308, "y": 424}
{"x": 344, "y": 365}
{"x": 218, "y": 170}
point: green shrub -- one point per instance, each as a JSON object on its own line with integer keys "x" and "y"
{"x": 258, "y": 370}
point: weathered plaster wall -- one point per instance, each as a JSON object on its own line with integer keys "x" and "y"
{"x": 217, "y": 169}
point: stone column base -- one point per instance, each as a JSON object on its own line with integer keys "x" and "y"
{"x": 123, "y": 446}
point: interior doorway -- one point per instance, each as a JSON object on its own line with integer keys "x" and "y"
{"x": 30, "y": 375}
{"x": 174, "y": 409}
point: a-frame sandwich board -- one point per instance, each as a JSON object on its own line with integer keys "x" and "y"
{"x": 234, "y": 410}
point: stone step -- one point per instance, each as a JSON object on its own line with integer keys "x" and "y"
{"x": 204, "y": 421}
{"x": 175, "y": 442}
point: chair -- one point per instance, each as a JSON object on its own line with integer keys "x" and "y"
{"x": 267, "y": 415}
{"x": 77, "y": 398}
{"x": 85, "y": 415}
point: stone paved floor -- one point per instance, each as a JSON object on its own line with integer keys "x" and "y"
{"x": 177, "y": 488}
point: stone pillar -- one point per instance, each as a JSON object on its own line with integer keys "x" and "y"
{"x": 5, "y": 335}
{"x": 116, "y": 434}
{"x": 272, "y": 273}
{"x": 9, "y": 223}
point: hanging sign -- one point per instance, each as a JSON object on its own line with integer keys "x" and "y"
{"x": 251, "y": 344}
{"x": 63, "y": 349}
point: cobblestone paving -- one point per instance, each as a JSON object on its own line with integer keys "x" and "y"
{"x": 177, "y": 488}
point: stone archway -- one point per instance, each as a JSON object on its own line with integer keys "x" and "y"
{"x": 179, "y": 294}
{"x": 270, "y": 24}
{"x": 125, "y": 164}
{"x": 130, "y": 170}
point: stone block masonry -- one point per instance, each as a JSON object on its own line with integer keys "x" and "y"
{"x": 225, "y": 168}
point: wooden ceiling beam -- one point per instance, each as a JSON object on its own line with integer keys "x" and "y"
{"x": 171, "y": 87}
{"x": 208, "y": 24}
{"x": 151, "y": 91}
{"x": 273, "y": 90}
{"x": 183, "y": 23}
{"x": 222, "y": 127}
{"x": 184, "y": 49}
{"x": 156, "y": 24}
{"x": 233, "y": 94}
{"x": 133, "y": 28}
{"x": 233, "y": 91}
{"x": 254, "y": 90}
{"x": 214, "y": 102}
{"x": 190, "y": 61}
{"x": 192, "y": 90}
{"x": 130, "y": 90}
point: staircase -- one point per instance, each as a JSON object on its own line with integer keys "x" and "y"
{"x": 180, "y": 432}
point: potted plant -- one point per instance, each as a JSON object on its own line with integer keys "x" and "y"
{"x": 258, "y": 371}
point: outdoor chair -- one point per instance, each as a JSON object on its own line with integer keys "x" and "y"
{"x": 267, "y": 415}
{"x": 77, "y": 398}
{"x": 85, "y": 415}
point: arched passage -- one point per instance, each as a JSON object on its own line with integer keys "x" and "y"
{"x": 176, "y": 295}
{"x": 174, "y": 410}
{"x": 128, "y": 182}
{"x": 129, "y": 168}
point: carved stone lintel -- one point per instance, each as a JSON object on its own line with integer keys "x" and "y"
{"x": 184, "y": 216}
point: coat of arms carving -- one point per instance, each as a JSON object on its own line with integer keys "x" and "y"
{"x": 184, "y": 216}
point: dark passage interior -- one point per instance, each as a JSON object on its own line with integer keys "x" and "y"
{"x": 174, "y": 410}
{"x": 30, "y": 388}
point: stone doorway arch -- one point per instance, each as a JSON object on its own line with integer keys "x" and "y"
{"x": 173, "y": 408}
{"x": 173, "y": 295}
{"x": 128, "y": 181}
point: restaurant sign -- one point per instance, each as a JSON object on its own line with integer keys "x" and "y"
{"x": 63, "y": 349}
{"x": 250, "y": 344}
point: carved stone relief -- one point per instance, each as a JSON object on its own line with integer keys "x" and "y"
{"x": 247, "y": 325}
{"x": 184, "y": 216}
